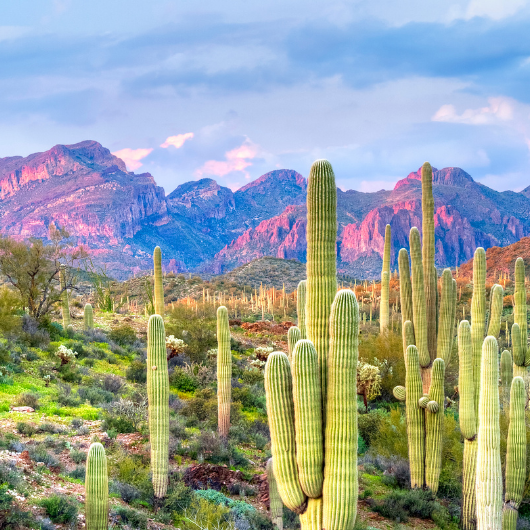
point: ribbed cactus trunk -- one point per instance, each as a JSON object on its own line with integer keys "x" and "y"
{"x": 515, "y": 455}
{"x": 519, "y": 295}
{"x": 96, "y": 489}
{"x": 428, "y": 252}
{"x": 159, "y": 286}
{"x": 506, "y": 379}
{"x": 321, "y": 259}
{"x": 64, "y": 299}
{"x": 446, "y": 320}
{"x": 497, "y": 299}
{"x": 519, "y": 368}
{"x": 275, "y": 501}
{"x": 158, "y": 397}
{"x": 478, "y": 316}
{"x": 224, "y": 372}
{"x": 88, "y": 317}
{"x": 340, "y": 471}
{"x": 405, "y": 290}
{"x": 384, "y": 312}
{"x": 293, "y": 336}
{"x": 301, "y": 297}
{"x": 489, "y": 470}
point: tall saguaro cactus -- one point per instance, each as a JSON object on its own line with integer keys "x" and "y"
{"x": 224, "y": 372}
{"x": 321, "y": 259}
{"x": 275, "y": 501}
{"x": 88, "y": 317}
{"x": 301, "y": 297}
{"x": 96, "y": 489}
{"x": 158, "y": 396}
{"x": 384, "y": 314}
{"x": 489, "y": 471}
{"x": 64, "y": 299}
{"x": 159, "y": 286}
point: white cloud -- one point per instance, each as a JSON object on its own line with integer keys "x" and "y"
{"x": 494, "y": 9}
{"x": 237, "y": 159}
{"x": 132, "y": 157}
{"x": 177, "y": 141}
{"x": 499, "y": 109}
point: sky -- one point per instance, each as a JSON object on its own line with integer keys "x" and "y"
{"x": 231, "y": 90}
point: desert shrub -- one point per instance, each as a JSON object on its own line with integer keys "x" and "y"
{"x": 252, "y": 376}
{"x": 112, "y": 383}
{"x": 28, "y": 399}
{"x": 123, "y": 335}
{"x": 178, "y": 497}
{"x": 79, "y": 473}
{"x": 89, "y": 362}
{"x": 133, "y": 518}
{"x": 369, "y": 425}
{"x": 31, "y": 355}
{"x": 137, "y": 372}
{"x": 94, "y": 395}
{"x": 391, "y": 438}
{"x": 11, "y": 516}
{"x": 10, "y": 474}
{"x": 51, "y": 428}
{"x": 204, "y": 514}
{"x": 66, "y": 397}
{"x": 125, "y": 415}
{"x": 183, "y": 380}
{"x": 177, "y": 428}
{"x": 78, "y": 456}
{"x": 69, "y": 373}
{"x": 202, "y": 407}
{"x": 60, "y": 508}
{"x": 76, "y": 423}
{"x": 95, "y": 335}
{"x": 39, "y": 454}
{"x": 250, "y": 397}
{"x": 127, "y": 492}
{"x": 26, "y": 429}
{"x": 32, "y": 333}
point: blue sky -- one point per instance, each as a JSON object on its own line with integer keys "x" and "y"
{"x": 231, "y": 90}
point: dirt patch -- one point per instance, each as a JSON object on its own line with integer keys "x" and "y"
{"x": 202, "y": 476}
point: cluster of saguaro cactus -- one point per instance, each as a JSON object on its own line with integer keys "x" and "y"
{"x": 275, "y": 501}
{"x": 433, "y": 340}
{"x": 88, "y": 317}
{"x": 384, "y": 312}
{"x": 224, "y": 372}
{"x": 64, "y": 299}
{"x": 158, "y": 397}
{"x": 314, "y": 431}
{"x": 96, "y": 489}
{"x": 159, "y": 286}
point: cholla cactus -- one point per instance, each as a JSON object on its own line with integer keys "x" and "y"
{"x": 368, "y": 381}
{"x": 175, "y": 346}
{"x": 212, "y": 353}
{"x": 262, "y": 352}
{"x": 65, "y": 354}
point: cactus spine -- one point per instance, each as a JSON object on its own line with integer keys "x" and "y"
{"x": 158, "y": 396}
{"x": 64, "y": 299}
{"x": 321, "y": 259}
{"x": 515, "y": 455}
{"x": 293, "y": 336}
{"x": 159, "y": 286}
{"x": 301, "y": 297}
{"x": 96, "y": 489}
{"x": 384, "y": 316}
{"x": 489, "y": 472}
{"x": 275, "y": 501}
{"x": 224, "y": 372}
{"x": 88, "y": 316}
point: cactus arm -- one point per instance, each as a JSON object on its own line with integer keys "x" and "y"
{"x": 405, "y": 289}
{"x": 446, "y": 320}
{"x": 478, "y": 312}
{"x": 506, "y": 378}
{"x": 428, "y": 251}
{"x": 312, "y": 518}
{"x": 96, "y": 489}
{"x": 158, "y": 397}
{"x": 384, "y": 317}
{"x": 489, "y": 471}
{"x": 308, "y": 418}
{"x": 519, "y": 368}
{"x": 275, "y": 501}
{"x": 519, "y": 295}
{"x": 400, "y": 393}
{"x": 280, "y": 410}
{"x": 321, "y": 259}
{"x": 497, "y": 298}
{"x": 159, "y": 286}
{"x": 224, "y": 372}
{"x": 340, "y": 472}
{"x": 293, "y": 336}
{"x": 301, "y": 297}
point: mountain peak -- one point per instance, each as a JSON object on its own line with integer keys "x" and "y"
{"x": 273, "y": 178}
{"x": 448, "y": 176}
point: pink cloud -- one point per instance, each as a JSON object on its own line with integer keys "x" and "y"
{"x": 237, "y": 159}
{"x": 132, "y": 157}
{"x": 177, "y": 141}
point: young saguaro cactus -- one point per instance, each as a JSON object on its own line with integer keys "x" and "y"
{"x": 275, "y": 501}
{"x": 96, "y": 489}
{"x": 301, "y": 297}
{"x": 224, "y": 372}
{"x": 159, "y": 286}
{"x": 384, "y": 314}
{"x": 321, "y": 259}
{"x": 489, "y": 471}
{"x": 515, "y": 455}
{"x": 158, "y": 397}
{"x": 88, "y": 316}
{"x": 64, "y": 299}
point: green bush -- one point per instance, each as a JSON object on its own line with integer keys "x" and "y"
{"x": 60, "y": 508}
{"x": 28, "y": 399}
{"x": 369, "y": 425}
{"x": 26, "y": 429}
{"x": 183, "y": 381}
{"x": 118, "y": 424}
{"x": 137, "y": 372}
{"x": 133, "y": 518}
{"x": 123, "y": 335}
{"x": 78, "y": 456}
{"x": 249, "y": 397}
{"x": 94, "y": 395}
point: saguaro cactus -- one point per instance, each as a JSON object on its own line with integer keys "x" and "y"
{"x": 519, "y": 368}
{"x": 301, "y": 296}
{"x": 158, "y": 396}
{"x": 489, "y": 471}
{"x": 88, "y": 316}
{"x": 64, "y": 299}
{"x": 515, "y": 455}
{"x": 275, "y": 501}
{"x": 159, "y": 286}
{"x": 96, "y": 489}
{"x": 519, "y": 295}
{"x": 506, "y": 378}
{"x": 321, "y": 259}
{"x": 384, "y": 313}
{"x": 293, "y": 336}
{"x": 224, "y": 372}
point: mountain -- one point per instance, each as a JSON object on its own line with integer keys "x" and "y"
{"x": 204, "y": 227}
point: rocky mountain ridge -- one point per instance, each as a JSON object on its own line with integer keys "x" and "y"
{"x": 202, "y": 226}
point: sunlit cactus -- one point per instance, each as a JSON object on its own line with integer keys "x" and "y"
{"x": 64, "y": 299}
{"x": 88, "y": 317}
{"x": 275, "y": 501}
{"x": 293, "y": 336}
{"x": 224, "y": 372}
{"x": 301, "y": 298}
{"x": 384, "y": 313}
{"x": 96, "y": 489}
{"x": 159, "y": 286}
